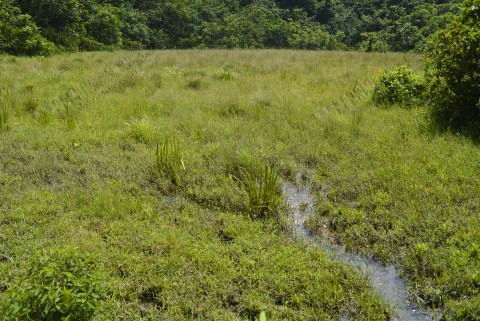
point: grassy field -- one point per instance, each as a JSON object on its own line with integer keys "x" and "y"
{"x": 138, "y": 161}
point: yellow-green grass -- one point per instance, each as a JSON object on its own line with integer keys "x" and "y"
{"x": 79, "y": 168}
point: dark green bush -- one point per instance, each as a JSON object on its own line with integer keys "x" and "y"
{"x": 400, "y": 86}
{"x": 57, "y": 285}
{"x": 105, "y": 27}
{"x": 453, "y": 71}
{"x": 19, "y": 35}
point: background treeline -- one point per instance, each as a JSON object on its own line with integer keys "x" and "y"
{"x": 30, "y": 27}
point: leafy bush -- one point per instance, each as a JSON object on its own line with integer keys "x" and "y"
{"x": 57, "y": 285}
{"x": 453, "y": 71}
{"x": 309, "y": 37}
{"x": 20, "y": 35}
{"x": 195, "y": 83}
{"x": 398, "y": 86}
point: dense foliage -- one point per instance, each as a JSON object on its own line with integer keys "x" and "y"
{"x": 19, "y": 34}
{"x": 32, "y": 26}
{"x": 58, "y": 285}
{"x": 454, "y": 71}
{"x": 398, "y": 86}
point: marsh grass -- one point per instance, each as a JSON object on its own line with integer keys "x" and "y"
{"x": 157, "y": 80}
{"x": 140, "y": 130}
{"x": 44, "y": 116}
{"x": 232, "y": 109}
{"x": 31, "y": 105}
{"x": 389, "y": 182}
{"x": 169, "y": 160}
{"x": 263, "y": 195}
{"x": 195, "y": 82}
{"x": 3, "y": 116}
{"x": 69, "y": 113}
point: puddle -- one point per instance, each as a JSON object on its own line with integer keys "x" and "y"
{"x": 384, "y": 278}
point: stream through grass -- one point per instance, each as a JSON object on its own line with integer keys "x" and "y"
{"x": 384, "y": 278}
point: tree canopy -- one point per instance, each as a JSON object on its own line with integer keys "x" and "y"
{"x": 453, "y": 71}
{"x": 42, "y": 26}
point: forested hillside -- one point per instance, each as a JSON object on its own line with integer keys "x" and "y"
{"x": 31, "y": 27}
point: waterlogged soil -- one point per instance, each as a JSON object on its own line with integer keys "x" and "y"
{"x": 385, "y": 279}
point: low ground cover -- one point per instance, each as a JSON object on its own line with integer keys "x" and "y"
{"x": 141, "y": 159}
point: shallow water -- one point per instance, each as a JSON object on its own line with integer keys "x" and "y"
{"x": 384, "y": 278}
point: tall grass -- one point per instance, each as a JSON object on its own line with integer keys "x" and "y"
{"x": 263, "y": 196}
{"x": 69, "y": 113}
{"x": 140, "y": 130}
{"x": 169, "y": 160}
{"x": 3, "y": 116}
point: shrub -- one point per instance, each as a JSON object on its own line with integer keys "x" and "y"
{"x": 453, "y": 70}
{"x": 400, "y": 86}
{"x": 57, "y": 285}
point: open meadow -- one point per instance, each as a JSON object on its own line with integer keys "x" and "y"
{"x": 136, "y": 170}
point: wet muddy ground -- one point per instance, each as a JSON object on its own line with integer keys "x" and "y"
{"x": 385, "y": 279}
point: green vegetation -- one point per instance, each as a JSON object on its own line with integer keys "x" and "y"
{"x": 57, "y": 285}
{"x": 169, "y": 160}
{"x": 40, "y": 27}
{"x": 400, "y": 86}
{"x": 3, "y": 117}
{"x": 387, "y": 185}
{"x": 263, "y": 195}
{"x": 454, "y": 72}
{"x": 19, "y": 34}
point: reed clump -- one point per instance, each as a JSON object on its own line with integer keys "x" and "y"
{"x": 169, "y": 160}
{"x": 263, "y": 195}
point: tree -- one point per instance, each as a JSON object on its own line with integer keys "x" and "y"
{"x": 453, "y": 71}
{"x": 134, "y": 28}
{"x": 60, "y": 21}
{"x": 104, "y": 27}
{"x": 55, "y": 14}
{"x": 19, "y": 34}
{"x": 255, "y": 26}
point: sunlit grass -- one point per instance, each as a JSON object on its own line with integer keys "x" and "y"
{"x": 76, "y": 170}
{"x": 169, "y": 160}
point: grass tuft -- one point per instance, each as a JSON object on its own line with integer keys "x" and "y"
{"x": 3, "y": 116}
{"x": 140, "y": 130}
{"x": 169, "y": 160}
{"x": 225, "y": 74}
{"x": 263, "y": 198}
{"x": 195, "y": 82}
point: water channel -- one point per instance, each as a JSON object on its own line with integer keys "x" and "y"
{"x": 384, "y": 278}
